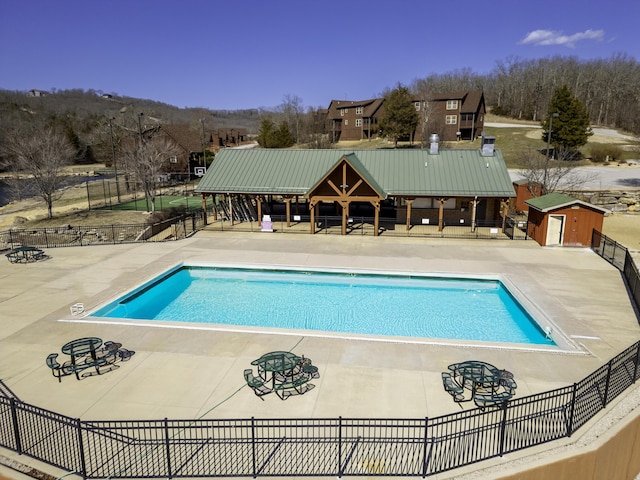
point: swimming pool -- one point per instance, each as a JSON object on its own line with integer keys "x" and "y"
{"x": 350, "y": 303}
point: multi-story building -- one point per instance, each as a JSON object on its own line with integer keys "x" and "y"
{"x": 453, "y": 116}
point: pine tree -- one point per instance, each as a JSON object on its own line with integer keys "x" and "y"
{"x": 400, "y": 117}
{"x": 570, "y": 129}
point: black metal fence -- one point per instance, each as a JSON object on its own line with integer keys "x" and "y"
{"x": 73, "y": 236}
{"x": 332, "y": 225}
{"x": 618, "y": 256}
{"x": 310, "y": 447}
{"x": 106, "y": 193}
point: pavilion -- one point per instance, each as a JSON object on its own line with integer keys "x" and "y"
{"x": 431, "y": 185}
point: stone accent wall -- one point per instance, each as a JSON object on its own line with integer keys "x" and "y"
{"x": 627, "y": 200}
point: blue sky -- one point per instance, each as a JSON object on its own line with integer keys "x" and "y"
{"x": 233, "y": 55}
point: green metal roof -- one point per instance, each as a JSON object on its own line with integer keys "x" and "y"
{"x": 554, "y": 200}
{"x": 396, "y": 172}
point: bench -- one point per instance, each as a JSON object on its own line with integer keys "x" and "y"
{"x": 13, "y": 257}
{"x": 257, "y": 385}
{"x": 296, "y": 386}
{"x": 483, "y": 400}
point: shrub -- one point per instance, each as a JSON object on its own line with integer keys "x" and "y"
{"x": 603, "y": 153}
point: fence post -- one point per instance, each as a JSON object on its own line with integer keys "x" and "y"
{"x": 503, "y": 425}
{"x": 637, "y": 364}
{"x": 83, "y": 463}
{"x": 572, "y": 410}
{"x": 606, "y": 386}
{"x": 424, "y": 447}
{"x": 340, "y": 446}
{"x": 16, "y": 425}
{"x": 167, "y": 446}
{"x": 253, "y": 447}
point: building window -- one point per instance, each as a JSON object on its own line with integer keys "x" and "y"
{"x": 342, "y": 112}
{"x": 358, "y": 122}
{"x": 451, "y": 119}
{"x": 452, "y": 104}
{"x": 358, "y": 110}
{"x": 417, "y": 105}
{"x": 346, "y": 122}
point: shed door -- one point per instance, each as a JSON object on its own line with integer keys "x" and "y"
{"x": 555, "y": 224}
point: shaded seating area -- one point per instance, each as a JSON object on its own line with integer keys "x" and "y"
{"x": 282, "y": 373}
{"x": 87, "y": 356}
{"x": 480, "y": 382}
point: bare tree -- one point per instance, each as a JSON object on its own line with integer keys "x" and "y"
{"x": 293, "y": 110}
{"x": 40, "y": 155}
{"x": 551, "y": 173}
{"x": 148, "y": 161}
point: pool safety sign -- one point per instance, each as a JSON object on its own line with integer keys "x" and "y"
{"x": 199, "y": 171}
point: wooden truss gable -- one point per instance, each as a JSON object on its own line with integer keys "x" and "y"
{"x": 346, "y": 182}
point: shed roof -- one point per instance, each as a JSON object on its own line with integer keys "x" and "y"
{"x": 394, "y": 172}
{"x": 554, "y": 201}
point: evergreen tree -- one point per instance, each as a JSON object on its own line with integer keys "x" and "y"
{"x": 283, "y": 136}
{"x": 400, "y": 117}
{"x": 570, "y": 129}
{"x": 266, "y": 132}
{"x": 271, "y": 137}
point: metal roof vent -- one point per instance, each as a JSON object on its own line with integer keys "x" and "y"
{"x": 434, "y": 143}
{"x": 487, "y": 145}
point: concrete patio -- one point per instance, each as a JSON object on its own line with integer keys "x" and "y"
{"x": 193, "y": 371}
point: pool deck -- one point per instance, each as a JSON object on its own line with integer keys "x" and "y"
{"x": 197, "y": 372}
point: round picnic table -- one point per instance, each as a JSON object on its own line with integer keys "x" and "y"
{"x": 277, "y": 362}
{"x": 81, "y": 347}
{"x": 478, "y": 374}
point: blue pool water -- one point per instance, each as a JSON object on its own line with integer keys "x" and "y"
{"x": 389, "y": 305}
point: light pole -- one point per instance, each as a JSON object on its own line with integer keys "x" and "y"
{"x": 551, "y": 117}
{"x": 140, "y": 127}
{"x": 113, "y": 156}
{"x": 546, "y": 163}
{"x": 204, "y": 152}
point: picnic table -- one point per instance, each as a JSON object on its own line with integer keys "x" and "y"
{"x": 83, "y": 353}
{"x": 487, "y": 384}
{"x": 287, "y": 373}
{"x": 25, "y": 254}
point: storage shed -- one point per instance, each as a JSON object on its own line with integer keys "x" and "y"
{"x": 558, "y": 219}
{"x": 524, "y": 191}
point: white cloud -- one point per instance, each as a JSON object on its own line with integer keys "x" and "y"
{"x": 549, "y": 37}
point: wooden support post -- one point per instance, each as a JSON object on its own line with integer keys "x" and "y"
{"x": 287, "y": 202}
{"x": 409, "y": 203}
{"x": 204, "y": 207}
{"x": 213, "y": 206}
{"x": 259, "y": 206}
{"x": 345, "y": 210}
{"x": 441, "y": 214}
{"x": 312, "y": 212}
{"x": 474, "y": 207}
{"x": 505, "y": 209}
{"x": 376, "y": 220}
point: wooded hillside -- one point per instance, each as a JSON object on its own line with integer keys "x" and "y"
{"x": 516, "y": 88}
